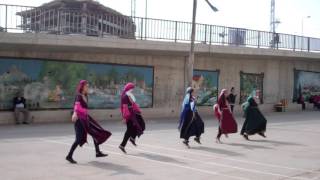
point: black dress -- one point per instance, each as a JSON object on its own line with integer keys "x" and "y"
{"x": 255, "y": 122}
{"x": 192, "y": 123}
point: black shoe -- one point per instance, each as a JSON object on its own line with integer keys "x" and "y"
{"x": 186, "y": 142}
{"x": 101, "y": 154}
{"x": 246, "y": 137}
{"x": 25, "y": 123}
{"x": 122, "y": 149}
{"x": 71, "y": 160}
{"x": 133, "y": 141}
{"x": 262, "y": 134}
{"x": 197, "y": 139}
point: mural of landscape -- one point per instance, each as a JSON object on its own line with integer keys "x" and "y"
{"x": 251, "y": 84}
{"x": 51, "y": 84}
{"x": 205, "y": 84}
{"x": 306, "y": 83}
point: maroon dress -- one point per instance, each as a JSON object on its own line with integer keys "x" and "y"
{"x": 89, "y": 125}
{"x": 227, "y": 122}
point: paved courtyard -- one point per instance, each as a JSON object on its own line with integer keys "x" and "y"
{"x": 290, "y": 151}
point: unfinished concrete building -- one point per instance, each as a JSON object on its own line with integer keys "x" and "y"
{"x": 86, "y": 17}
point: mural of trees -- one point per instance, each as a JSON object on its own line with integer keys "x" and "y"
{"x": 52, "y": 84}
{"x": 306, "y": 83}
{"x": 205, "y": 84}
{"x": 65, "y": 74}
{"x": 251, "y": 84}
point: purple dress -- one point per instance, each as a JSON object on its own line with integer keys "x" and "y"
{"x": 89, "y": 125}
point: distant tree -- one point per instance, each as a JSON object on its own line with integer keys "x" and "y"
{"x": 66, "y": 74}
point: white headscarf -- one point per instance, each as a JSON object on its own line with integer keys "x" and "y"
{"x": 130, "y": 94}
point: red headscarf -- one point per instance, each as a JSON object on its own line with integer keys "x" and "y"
{"x": 126, "y": 88}
{"x": 81, "y": 85}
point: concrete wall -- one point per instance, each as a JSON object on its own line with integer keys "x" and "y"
{"x": 169, "y": 62}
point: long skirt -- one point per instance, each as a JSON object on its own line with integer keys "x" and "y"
{"x": 192, "y": 125}
{"x": 228, "y": 124}
{"x": 136, "y": 125}
{"x": 255, "y": 122}
{"x": 90, "y": 126}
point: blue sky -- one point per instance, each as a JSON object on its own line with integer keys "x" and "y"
{"x": 251, "y": 14}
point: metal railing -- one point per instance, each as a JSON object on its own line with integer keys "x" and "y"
{"x": 26, "y": 19}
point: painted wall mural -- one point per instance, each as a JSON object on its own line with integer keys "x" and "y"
{"x": 205, "y": 84}
{"x": 306, "y": 83}
{"x": 51, "y": 84}
{"x": 251, "y": 84}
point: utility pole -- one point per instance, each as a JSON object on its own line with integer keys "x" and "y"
{"x": 273, "y": 23}
{"x": 133, "y": 8}
{"x": 191, "y": 53}
{"x": 193, "y": 35}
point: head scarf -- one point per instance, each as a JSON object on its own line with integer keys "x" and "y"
{"x": 81, "y": 85}
{"x": 250, "y": 102}
{"x": 222, "y": 94}
{"x": 188, "y": 90}
{"x": 222, "y": 99}
{"x": 126, "y": 90}
{"x": 185, "y": 102}
{"x": 186, "y": 99}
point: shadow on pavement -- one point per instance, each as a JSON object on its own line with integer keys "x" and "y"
{"x": 278, "y": 143}
{"x": 218, "y": 151}
{"x": 248, "y": 146}
{"x": 157, "y": 157}
{"x": 119, "y": 169}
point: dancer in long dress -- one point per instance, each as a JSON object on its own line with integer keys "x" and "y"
{"x": 132, "y": 116}
{"x": 227, "y": 123}
{"x": 255, "y": 122}
{"x": 191, "y": 123}
{"x": 84, "y": 124}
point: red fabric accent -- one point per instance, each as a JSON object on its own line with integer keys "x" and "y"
{"x": 125, "y": 112}
{"x": 136, "y": 108}
{"x": 81, "y": 112}
{"x": 217, "y": 112}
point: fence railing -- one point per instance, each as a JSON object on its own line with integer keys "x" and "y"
{"x": 26, "y": 19}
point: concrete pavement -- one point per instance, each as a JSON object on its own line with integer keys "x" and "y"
{"x": 291, "y": 151}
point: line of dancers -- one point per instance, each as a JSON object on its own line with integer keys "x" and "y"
{"x": 190, "y": 123}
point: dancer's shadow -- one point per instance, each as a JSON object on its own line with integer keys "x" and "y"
{"x": 249, "y": 146}
{"x": 157, "y": 157}
{"x": 278, "y": 143}
{"x": 217, "y": 151}
{"x": 118, "y": 169}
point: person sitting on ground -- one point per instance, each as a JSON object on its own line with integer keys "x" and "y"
{"x": 301, "y": 101}
{"x": 19, "y": 106}
{"x": 316, "y": 101}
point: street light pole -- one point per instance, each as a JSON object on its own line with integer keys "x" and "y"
{"x": 191, "y": 54}
{"x": 146, "y": 20}
{"x": 193, "y": 35}
{"x": 307, "y": 17}
{"x": 146, "y": 9}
